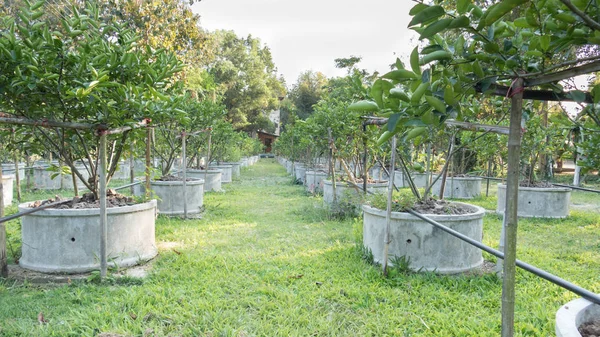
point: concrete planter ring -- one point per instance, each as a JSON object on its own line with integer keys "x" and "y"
{"x": 571, "y": 316}
{"x": 68, "y": 240}
{"x": 314, "y": 181}
{"x": 235, "y": 168}
{"x": 226, "y": 172}
{"x": 170, "y": 196}
{"x": 459, "y": 187}
{"x": 427, "y": 247}
{"x": 343, "y": 189}
{"x": 300, "y": 172}
{"x": 7, "y": 189}
{"x": 212, "y": 179}
{"x": 534, "y": 202}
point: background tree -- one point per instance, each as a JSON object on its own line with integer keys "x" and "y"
{"x": 307, "y": 91}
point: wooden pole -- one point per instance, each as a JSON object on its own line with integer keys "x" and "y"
{"x": 148, "y": 149}
{"x": 184, "y": 170}
{"x": 207, "y": 156}
{"x": 332, "y": 164}
{"x": 512, "y": 193}
{"x": 132, "y": 166}
{"x": 489, "y": 174}
{"x": 365, "y": 173}
{"x": 3, "y": 262}
{"x": 103, "y": 214}
{"x": 388, "y": 215}
{"x": 17, "y": 175}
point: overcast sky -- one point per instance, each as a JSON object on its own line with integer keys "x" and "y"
{"x": 310, "y": 34}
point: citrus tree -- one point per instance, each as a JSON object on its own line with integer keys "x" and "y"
{"x": 86, "y": 71}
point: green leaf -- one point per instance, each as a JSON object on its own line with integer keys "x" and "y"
{"x": 417, "y": 9}
{"x": 577, "y": 95}
{"x": 392, "y": 122}
{"x": 462, "y": 6}
{"x": 430, "y": 49}
{"x": 399, "y": 64}
{"x": 363, "y": 106}
{"x": 460, "y": 22}
{"x": 498, "y": 10}
{"x": 400, "y": 75}
{"x": 436, "y": 103}
{"x": 426, "y": 76}
{"x": 596, "y": 93}
{"x": 414, "y": 61}
{"x": 379, "y": 87}
{"x": 435, "y": 28}
{"x": 426, "y": 15}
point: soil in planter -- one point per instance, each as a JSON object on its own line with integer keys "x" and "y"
{"x": 173, "y": 178}
{"x": 536, "y": 184}
{"x": 88, "y": 200}
{"x": 440, "y": 207}
{"x": 590, "y": 329}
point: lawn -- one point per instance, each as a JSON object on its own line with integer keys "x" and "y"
{"x": 266, "y": 260}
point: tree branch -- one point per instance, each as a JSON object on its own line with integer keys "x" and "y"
{"x": 563, "y": 74}
{"x": 588, "y": 20}
{"x": 539, "y": 95}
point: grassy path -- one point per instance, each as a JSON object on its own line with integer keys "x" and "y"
{"x": 266, "y": 261}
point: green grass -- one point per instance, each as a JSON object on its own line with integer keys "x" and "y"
{"x": 265, "y": 260}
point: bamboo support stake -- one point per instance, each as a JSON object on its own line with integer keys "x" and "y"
{"x": 3, "y": 262}
{"x": 207, "y": 155}
{"x": 132, "y": 167}
{"x": 510, "y": 213}
{"x": 332, "y": 164}
{"x": 365, "y": 173}
{"x": 388, "y": 215}
{"x": 148, "y": 149}
{"x": 17, "y": 176}
{"x": 103, "y": 214}
{"x": 184, "y": 170}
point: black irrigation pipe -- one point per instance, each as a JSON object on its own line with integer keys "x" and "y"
{"x": 534, "y": 270}
{"x": 555, "y": 184}
{"x": 33, "y": 210}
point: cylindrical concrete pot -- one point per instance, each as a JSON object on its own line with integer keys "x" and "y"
{"x": 122, "y": 171}
{"x": 212, "y": 178}
{"x": 534, "y": 202}
{"x": 170, "y": 196}
{"x": 68, "y": 240}
{"x": 459, "y": 187}
{"x": 289, "y": 166}
{"x": 571, "y": 316}
{"x": 226, "y": 172}
{"x": 245, "y": 162}
{"x": 235, "y": 168}
{"x": 314, "y": 181}
{"x": 9, "y": 169}
{"x": 42, "y": 179}
{"x": 7, "y": 189}
{"x": 300, "y": 172}
{"x": 343, "y": 189}
{"x": 427, "y": 248}
{"x": 68, "y": 179}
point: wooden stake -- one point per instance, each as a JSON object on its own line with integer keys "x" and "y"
{"x": 332, "y": 164}
{"x": 184, "y": 170}
{"x": 207, "y": 156}
{"x": 17, "y": 176}
{"x": 3, "y": 262}
{"x": 388, "y": 215}
{"x": 103, "y": 214}
{"x": 132, "y": 167}
{"x": 148, "y": 149}
{"x": 365, "y": 173}
{"x": 510, "y": 213}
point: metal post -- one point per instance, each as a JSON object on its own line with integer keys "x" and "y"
{"x": 388, "y": 215}
{"x": 102, "y": 197}
{"x": 512, "y": 194}
{"x": 489, "y": 174}
{"x": 17, "y": 176}
{"x": 184, "y": 170}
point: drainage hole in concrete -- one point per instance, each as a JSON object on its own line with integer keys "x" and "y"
{"x": 529, "y": 202}
{"x": 409, "y": 241}
{"x": 72, "y": 239}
